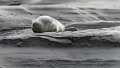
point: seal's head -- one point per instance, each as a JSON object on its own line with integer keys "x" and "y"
{"x": 36, "y": 27}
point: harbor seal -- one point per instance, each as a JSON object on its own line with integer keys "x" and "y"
{"x": 48, "y": 24}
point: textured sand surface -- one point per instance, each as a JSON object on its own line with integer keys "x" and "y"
{"x": 95, "y": 44}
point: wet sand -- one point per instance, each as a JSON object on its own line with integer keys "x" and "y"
{"x": 94, "y": 45}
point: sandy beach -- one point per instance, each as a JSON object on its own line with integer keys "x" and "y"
{"x": 95, "y": 44}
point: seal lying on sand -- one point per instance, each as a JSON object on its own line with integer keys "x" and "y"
{"x": 47, "y": 24}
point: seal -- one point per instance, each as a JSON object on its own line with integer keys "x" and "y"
{"x": 47, "y": 24}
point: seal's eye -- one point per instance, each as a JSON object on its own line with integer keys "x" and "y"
{"x": 34, "y": 24}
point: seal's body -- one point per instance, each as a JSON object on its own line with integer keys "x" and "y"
{"x": 47, "y": 24}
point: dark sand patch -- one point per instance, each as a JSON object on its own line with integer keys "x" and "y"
{"x": 65, "y": 58}
{"x": 50, "y": 8}
{"x": 29, "y": 62}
